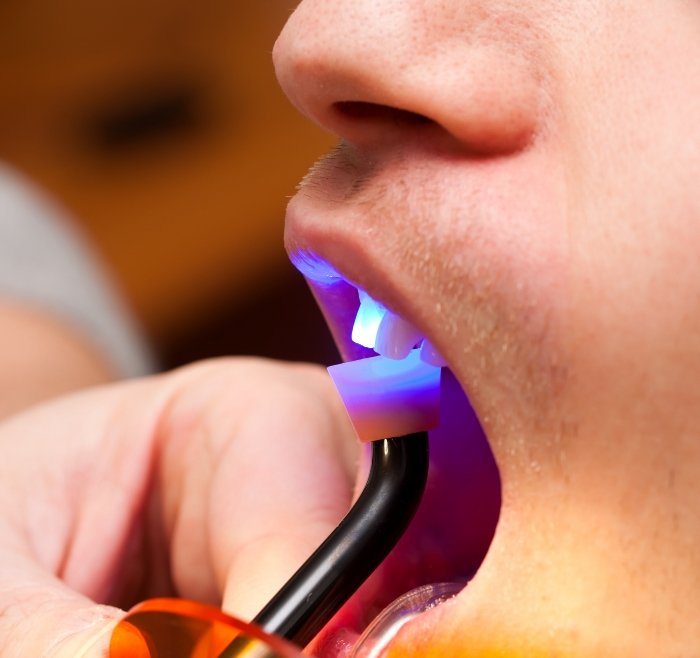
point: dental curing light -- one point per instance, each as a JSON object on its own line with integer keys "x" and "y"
{"x": 383, "y": 397}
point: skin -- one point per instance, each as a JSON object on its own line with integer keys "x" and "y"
{"x": 518, "y": 179}
{"x": 42, "y": 357}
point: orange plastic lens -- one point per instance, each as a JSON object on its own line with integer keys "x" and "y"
{"x": 174, "y": 628}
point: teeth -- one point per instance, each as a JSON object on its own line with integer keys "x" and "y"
{"x": 428, "y": 354}
{"x": 389, "y": 334}
{"x": 369, "y": 317}
{"x": 395, "y": 337}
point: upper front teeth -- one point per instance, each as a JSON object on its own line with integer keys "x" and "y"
{"x": 389, "y": 334}
{"x": 395, "y": 337}
{"x": 429, "y": 354}
{"x": 369, "y": 317}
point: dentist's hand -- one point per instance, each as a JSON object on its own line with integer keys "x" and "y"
{"x": 214, "y": 482}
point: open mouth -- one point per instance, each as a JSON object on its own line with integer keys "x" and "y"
{"x": 449, "y": 537}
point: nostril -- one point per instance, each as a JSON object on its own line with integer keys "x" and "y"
{"x": 375, "y": 112}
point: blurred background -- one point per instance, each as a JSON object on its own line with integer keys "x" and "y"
{"x": 160, "y": 127}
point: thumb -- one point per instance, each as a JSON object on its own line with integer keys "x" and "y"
{"x": 91, "y": 641}
{"x": 289, "y": 494}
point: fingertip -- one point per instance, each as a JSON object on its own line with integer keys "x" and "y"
{"x": 88, "y": 635}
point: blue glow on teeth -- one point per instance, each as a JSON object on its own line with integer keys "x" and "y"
{"x": 369, "y": 317}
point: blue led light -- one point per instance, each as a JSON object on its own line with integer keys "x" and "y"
{"x": 369, "y": 317}
{"x": 389, "y": 397}
{"x": 370, "y": 313}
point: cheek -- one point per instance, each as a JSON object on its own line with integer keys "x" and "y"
{"x": 633, "y": 161}
{"x": 635, "y": 290}
{"x": 492, "y": 266}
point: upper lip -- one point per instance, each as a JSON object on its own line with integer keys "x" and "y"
{"x": 337, "y": 296}
{"x": 323, "y": 222}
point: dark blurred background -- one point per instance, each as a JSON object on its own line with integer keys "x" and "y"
{"x": 160, "y": 127}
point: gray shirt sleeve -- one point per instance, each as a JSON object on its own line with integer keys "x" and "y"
{"x": 45, "y": 262}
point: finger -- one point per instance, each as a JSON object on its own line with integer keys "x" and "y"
{"x": 266, "y": 480}
{"x": 41, "y": 616}
{"x": 74, "y": 476}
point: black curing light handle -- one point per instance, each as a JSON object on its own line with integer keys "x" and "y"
{"x": 366, "y": 535}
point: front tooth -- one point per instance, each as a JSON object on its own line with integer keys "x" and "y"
{"x": 369, "y": 317}
{"x": 395, "y": 337}
{"x": 428, "y": 354}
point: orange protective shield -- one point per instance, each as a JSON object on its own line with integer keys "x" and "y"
{"x": 175, "y": 628}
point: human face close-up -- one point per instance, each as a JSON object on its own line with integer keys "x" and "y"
{"x": 518, "y": 180}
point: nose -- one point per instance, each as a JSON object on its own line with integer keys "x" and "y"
{"x": 368, "y": 70}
